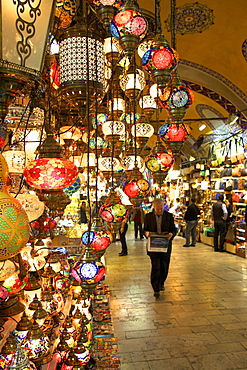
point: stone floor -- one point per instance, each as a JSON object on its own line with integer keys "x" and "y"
{"x": 200, "y": 320}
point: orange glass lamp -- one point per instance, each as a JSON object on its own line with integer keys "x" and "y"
{"x": 14, "y": 223}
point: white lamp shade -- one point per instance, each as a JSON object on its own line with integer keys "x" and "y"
{"x": 133, "y": 81}
{"x": 128, "y": 162}
{"x": 69, "y": 132}
{"x": 108, "y": 163}
{"x": 91, "y": 161}
{"x": 16, "y": 160}
{"x": 111, "y": 45}
{"x": 154, "y": 91}
{"x": 144, "y": 46}
{"x": 147, "y": 101}
{"x": 7, "y": 268}
{"x": 117, "y": 104}
{"x": 113, "y": 128}
{"x": 26, "y": 23}
{"x": 142, "y": 130}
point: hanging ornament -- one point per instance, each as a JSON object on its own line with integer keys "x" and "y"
{"x": 14, "y": 223}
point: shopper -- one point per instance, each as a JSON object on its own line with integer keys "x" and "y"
{"x": 82, "y": 213}
{"x": 159, "y": 221}
{"x": 219, "y": 215}
{"x": 191, "y": 218}
{"x": 138, "y": 218}
{"x": 122, "y": 233}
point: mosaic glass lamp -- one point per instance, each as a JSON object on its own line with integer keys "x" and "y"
{"x": 129, "y": 27}
{"x": 50, "y": 171}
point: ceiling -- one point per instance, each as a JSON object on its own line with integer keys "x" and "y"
{"x": 212, "y": 46}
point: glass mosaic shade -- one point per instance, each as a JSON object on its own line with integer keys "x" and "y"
{"x": 176, "y": 132}
{"x": 159, "y": 162}
{"x": 50, "y": 173}
{"x": 135, "y": 188}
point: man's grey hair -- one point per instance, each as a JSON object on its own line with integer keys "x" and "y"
{"x": 158, "y": 201}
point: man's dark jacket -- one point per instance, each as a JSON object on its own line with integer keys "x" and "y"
{"x": 166, "y": 225}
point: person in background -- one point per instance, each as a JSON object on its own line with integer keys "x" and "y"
{"x": 166, "y": 206}
{"x": 230, "y": 215}
{"x": 219, "y": 215}
{"x": 122, "y": 233}
{"x": 82, "y": 212}
{"x": 191, "y": 218}
{"x": 138, "y": 218}
{"x": 159, "y": 221}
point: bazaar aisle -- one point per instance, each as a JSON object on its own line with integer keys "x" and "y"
{"x": 200, "y": 320}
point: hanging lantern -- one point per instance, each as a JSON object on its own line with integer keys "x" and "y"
{"x": 32, "y": 205}
{"x": 159, "y": 162}
{"x": 78, "y": 44}
{"x": 14, "y": 224}
{"x": 24, "y": 30}
{"x": 176, "y": 132}
{"x": 16, "y": 160}
{"x": 113, "y": 211}
{"x": 14, "y": 284}
{"x": 37, "y": 344}
{"x": 112, "y": 50}
{"x": 21, "y": 330}
{"x": 129, "y": 27}
{"x": 98, "y": 240}
{"x": 50, "y": 173}
{"x": 132, "y": 83}
{"x": 135, "y": 188}
{"x": 7, "y": 268}
{"x": 88, "y": 273}
{"x": 177, "y": 96}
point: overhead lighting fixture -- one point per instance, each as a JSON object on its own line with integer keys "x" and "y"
{"x": 201, "y": 126}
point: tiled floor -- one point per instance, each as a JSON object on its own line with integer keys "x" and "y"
{"x": 200, "y": 320}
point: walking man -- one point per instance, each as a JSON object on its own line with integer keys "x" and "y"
{"x": 159, "y": 221}
{"x": 219, "y": 215}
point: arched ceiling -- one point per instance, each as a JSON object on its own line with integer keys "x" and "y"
{"x": 212, "y": 46}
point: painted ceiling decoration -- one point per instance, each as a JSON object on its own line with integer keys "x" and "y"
{"x": 192, "y": 18}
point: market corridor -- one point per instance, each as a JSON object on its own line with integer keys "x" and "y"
{"x": 200, "y": 320}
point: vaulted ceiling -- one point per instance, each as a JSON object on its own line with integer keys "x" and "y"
{"x": 212, "y": 45}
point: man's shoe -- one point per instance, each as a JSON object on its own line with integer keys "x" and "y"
{"x": 122, "y": 254}
{"x": 156, "y": 294}
{"x": 185, "y": 245}
{"x": 162, "y": 287}
{"x": 192, "y": 245}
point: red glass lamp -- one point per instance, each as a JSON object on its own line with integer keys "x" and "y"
{"x": 113, "y": 211}
{"x": 50, "y": 171}
{"x": 99, "y": 240}
{"x": 129, "y": 27}
{"x": 159, "y": 162}
{"x": 135, "y": 188}
{"x": 176, "y": 132}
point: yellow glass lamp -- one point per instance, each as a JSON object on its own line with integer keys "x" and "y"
{"x": 14, "y": 223}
